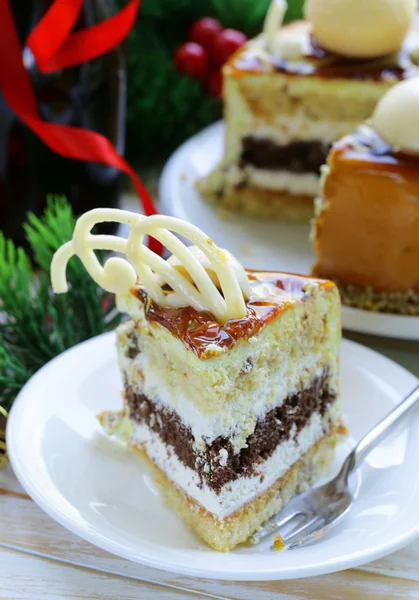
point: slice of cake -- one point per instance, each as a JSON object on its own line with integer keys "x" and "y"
{"x": 230, "y": 377}
{"x": 286, "y": 100}
{"x": 366, "y": 233}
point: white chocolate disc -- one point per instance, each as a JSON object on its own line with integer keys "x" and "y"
{"x": 396, "y": 116}
{"x": 360, "y": 28}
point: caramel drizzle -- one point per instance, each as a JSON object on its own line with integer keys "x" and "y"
{"x": 317, "y": 61}
{"x": 198, "y": 330}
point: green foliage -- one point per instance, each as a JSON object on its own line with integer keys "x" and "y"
{"x": 245, "y": 15}
{"x": 163, "y": 106}
{"x": 295, "y": 10}
{"x": 186, "y": 10}
{"x": 35, "y": 324}
{"x": 248, "y": 15}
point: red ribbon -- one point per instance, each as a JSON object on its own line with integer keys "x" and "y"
{"x": 55, "y": 47}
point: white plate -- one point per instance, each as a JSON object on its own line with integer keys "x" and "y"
{"x": 102, "y": 492}
{"x": 257, "y": 244}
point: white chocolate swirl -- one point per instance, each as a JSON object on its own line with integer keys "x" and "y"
{"x": 202, "y": 276}
{"x": 282, "y": 42}
{"x": 273, "y": 20}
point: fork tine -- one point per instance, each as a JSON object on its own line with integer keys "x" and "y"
{"x": 280, "y": 519}
{"x": 322, "y": 527}
{"x": 303, "y": 532}
{"x": 308, "y": 537}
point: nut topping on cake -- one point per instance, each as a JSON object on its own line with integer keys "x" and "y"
{"x": 203, "y": 277}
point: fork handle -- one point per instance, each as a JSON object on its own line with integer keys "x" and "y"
{"x": 380, "y": 431}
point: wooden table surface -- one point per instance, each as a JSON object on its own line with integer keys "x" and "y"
{"x": 40, "y": 560}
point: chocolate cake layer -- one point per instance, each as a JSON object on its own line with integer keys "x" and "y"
{"x": 218, "y": 464}
{"x": 296, "y": 157}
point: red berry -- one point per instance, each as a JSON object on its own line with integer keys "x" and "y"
{"x": 225, "y": 44}
{"x": 203, "y": 31}
{"x": 191, "y": 59}
{"x": 213, "y": 84}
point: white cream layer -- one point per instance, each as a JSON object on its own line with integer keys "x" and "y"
{"x": 206, "y": 427}
{"x": 294, "y": 183}
{"x": 236, "y": 493}
{"x": 301, "y": 127}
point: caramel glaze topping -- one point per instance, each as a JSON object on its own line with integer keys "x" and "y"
{"x": 364, "y": 146}
{"x": 197, "y": 330}
{"x": 316, "y": 61}
{"x": 367, "y": 231}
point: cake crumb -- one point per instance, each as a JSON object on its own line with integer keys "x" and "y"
{"x": 183, "y": 176}
{"x": 342, "y": 429}
{"x": 223, "y": 457}
{"x": 278, "y": 543}
{"x": 247, "y": 367}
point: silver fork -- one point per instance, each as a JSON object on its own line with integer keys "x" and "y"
{"x": 319, "y": 509}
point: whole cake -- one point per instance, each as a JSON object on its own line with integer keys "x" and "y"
{"x": 366, "y": 233}
{"x": 287, "y": 99}
{"x": 230, "y": 377}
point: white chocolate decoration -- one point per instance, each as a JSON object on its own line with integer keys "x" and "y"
{"x": 202, "y": 276}
{"x": 360, "y": 28}
{"x": 287, "y": 44}
{"x": 117, "y": 275}
{"x": 206, "y": 263}
{"x": 273, "y": 21}
{"x": 396, "y": 116}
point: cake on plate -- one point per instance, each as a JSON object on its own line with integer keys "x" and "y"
{"x": 231, "y": 390}
{"x": 366, "y": 233}
{"x": 291, "y": 92}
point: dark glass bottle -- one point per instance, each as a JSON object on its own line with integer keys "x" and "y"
{"x": 91, "y": 96}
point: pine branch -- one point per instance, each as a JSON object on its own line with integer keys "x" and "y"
{"x": 35, "y": 324}
{"x": 13, "y": 374}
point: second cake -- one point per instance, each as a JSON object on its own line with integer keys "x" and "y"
{"x": 285, "y": 102}
{"x": 366, "y": 233}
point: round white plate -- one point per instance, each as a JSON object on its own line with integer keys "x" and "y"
{"x": 257, "y": 244}
{"x": 101, "y": 491}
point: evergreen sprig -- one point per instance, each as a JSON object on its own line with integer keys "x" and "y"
{"x": 35, "y": 324}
